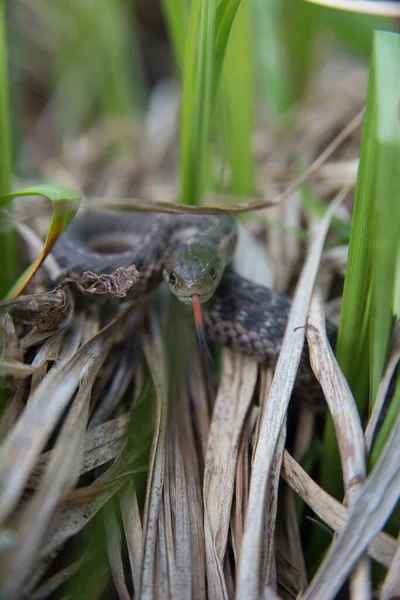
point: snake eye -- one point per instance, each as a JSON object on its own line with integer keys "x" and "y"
{"x": 172, "y": 277}
{"x": 212, "y": 272}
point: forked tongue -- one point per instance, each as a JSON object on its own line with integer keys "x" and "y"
{"x": 198, "y": 322}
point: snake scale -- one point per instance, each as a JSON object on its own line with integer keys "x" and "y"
{"x": 192, "y": 253}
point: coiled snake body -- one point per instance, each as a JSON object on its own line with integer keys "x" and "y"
{"x": 192, "y": 253}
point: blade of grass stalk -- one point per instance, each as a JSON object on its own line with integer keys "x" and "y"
{"x": 155, "y": 480}
{"x": 226, "y": 13}
{"x": 193, "y": 459}
{"x": 249, "y": 576}
{"x": 242, "y": 479}
{"x": 132, "y": 528}
{"x": 55, "y": 581}
{"x": 15, "y": 368}
{"x": 382, "y": 548}
{"x": 391, "y": 585}
{"x": 114, "y": 549}
{"x": 237, "y": 96}
{"x": 197, "y": 94}
{"x": 284, "y": 34}
{"x": 165, "y": 562}
{"x": 65, "y": 204}
{"x": 239, "y": 377}
{"x": 83, "y": 504}
{"x": 73, "y": 519}
{"x": 176, "y": 15}
{"x": 176, "y": 487}
{"x": 386, "y": 208}
{"x": 61, "y": 475}
{"x": 268, "y": 567}
{"x": 375, "y": 217}
{"x": 365, "y": 520}
{"x": 348, "y": 428}
{"x": 367, "y": 307}
{"x": 25, "y": 441}
{"x": 341, "y": 404}
{"x": 208, "y": 33}
{"x": 101, "y": 445}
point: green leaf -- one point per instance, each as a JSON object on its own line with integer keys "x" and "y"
{"x": 65, "y": 204}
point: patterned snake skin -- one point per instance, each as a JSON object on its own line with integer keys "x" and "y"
{"x": 246, "y": 317}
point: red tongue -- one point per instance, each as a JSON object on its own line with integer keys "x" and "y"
{"x": 201, "y": 336}
{"x": 198, "y": 320}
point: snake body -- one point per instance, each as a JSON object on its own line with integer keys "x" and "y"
{"x": 192, "y": 253}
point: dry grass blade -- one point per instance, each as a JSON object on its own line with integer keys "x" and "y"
{"x": 341, "y": 403}
{"x": 177, "y": 521}
{"x": 61, "y": 475}
{"x": 192, "y": 461}
{"x": 391, "y": 585}
{"x": 54, "y": 582}
{"x": 22, "y": 446}
{"x": 365, "y": 520}
{"x": 346, "y": 419}
{"x": 101, "y": 445}
{"x": 249, "y": 576}
{"x": 330, "y": 511}
{"x": 15, "y": 368}
{"x": 133, "y": 528}
{"x": 73, "y": 519}
{"x": 155, "y": 481}
{"x": 114, "y": 538}
{"x": 239, "y": 377}
{"x": 268, "y": 557}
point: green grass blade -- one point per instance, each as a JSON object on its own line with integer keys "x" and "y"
{"x": 237, "y": 97}
{"x": 176, "y": 14}
{"x": 374, "y": 239}
{"x": 283, "y": 34}
{"x": 370, "y": 283}
{"x": 207, "y": 38}
{"x": 386, "y": 206}
{"x": 198, "y": 80}
{"x": 65, "y": 204}
{"x": 226, "y": 14}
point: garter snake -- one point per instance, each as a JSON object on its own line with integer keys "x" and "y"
{"x": 192, "y": 254}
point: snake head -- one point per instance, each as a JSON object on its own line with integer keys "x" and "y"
{"x": 192, "y": 270}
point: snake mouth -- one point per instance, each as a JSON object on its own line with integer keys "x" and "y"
{"x": 187, "y": 294}
{"x": 189, "y": 299}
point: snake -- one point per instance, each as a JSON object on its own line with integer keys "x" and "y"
{"x": 193, "y": 254}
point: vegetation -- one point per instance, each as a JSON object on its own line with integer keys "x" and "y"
{"x": 113, "y": 460}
